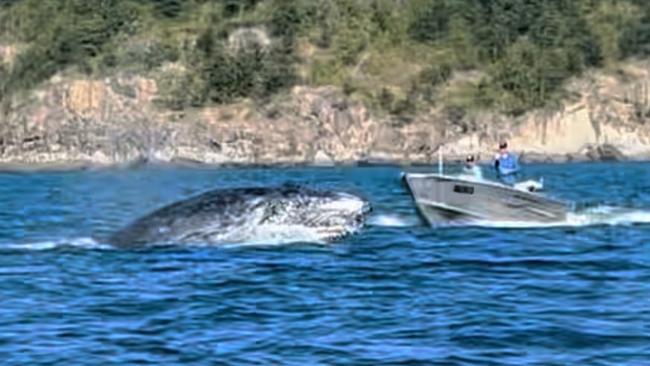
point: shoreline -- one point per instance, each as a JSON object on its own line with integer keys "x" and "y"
{"x": 75, "y": 166}
{"x": 77, "y": 124}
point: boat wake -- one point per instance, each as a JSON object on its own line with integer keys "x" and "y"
{"x": 592, "y": 216}
{"x": 386, "y": 220}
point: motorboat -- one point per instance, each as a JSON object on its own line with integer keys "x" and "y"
{"x": 444, "y": 198}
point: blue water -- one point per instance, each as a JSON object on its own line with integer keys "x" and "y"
{"x": 399, "y": 293}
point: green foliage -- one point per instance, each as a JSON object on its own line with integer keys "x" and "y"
{"x": 386, "y": 99}
{"x": 433, "y": 23}
{"x": 528, "y": 74}
{"x": 635, "y": 33}
{"x": 147, "y": 55}
{"x": 74, "y": 35}
{"x": 7, "y": 3}
{"x": 234, "y": 8}
{"x": 3, "y": 81}
{"x": 522, "y": 50}
{"x": 182, "y": 90}
{"x": 286, "y": 20}
{"x": 223, "y": 75}
{"x": 436, "y": 74}
{"x": 529, "y": 48}
{"x": 253, "y": 72}
{"x": 169, "y": 8}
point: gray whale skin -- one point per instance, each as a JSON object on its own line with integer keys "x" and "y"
{"x": 263, "y": 215}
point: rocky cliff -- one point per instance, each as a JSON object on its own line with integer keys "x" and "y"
{"x": 117, "y": 120}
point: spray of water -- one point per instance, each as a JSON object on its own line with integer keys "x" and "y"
{"x": 386, "y": 220}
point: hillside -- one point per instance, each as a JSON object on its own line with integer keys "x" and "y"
{"x": 425, "y": 72}
{"x": 393, "y": 53}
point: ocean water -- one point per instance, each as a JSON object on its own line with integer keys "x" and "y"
{"x": 398, "y": 293}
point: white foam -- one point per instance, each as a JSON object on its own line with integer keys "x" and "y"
{"x": 272, "y": 235}
{"x": 393, "y": 221}
{"x": 346, "y": 203}
{"x": 85, "y": 243}
{"x": 595, "y": 216}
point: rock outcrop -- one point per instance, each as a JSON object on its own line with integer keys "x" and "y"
{"x": 604, "y": 117}
{"x": 117, "y": 120}
{"x": 8, "y": 53}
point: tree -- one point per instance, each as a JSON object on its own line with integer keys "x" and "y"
{"x": 286, "y": 20}
{"x": 461, "y": 42}
{"x": 528, "y": 75}
{"x": 206, "y": 43}
{"x": 3, "y": 81}
{"x": 169, "y": 8}
{"x": 232, "y": 8}
{"x": 7, "y": 3}
{"x": 502, "y": 22}
{"x": 635, "y": 38}
{"x": 433, "y": 23}
{"x": 606, "y": 20}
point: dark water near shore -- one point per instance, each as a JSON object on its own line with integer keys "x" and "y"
{"x": 398, "y": 293}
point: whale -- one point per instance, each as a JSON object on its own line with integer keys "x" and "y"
{"x": 250, "y": 215}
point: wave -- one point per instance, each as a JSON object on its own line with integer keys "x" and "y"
{"x": 262, "y": 235}
{"x": 83, "y": 243}
{"x": 275, "y": 235}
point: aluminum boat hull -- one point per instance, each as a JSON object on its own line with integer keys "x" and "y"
{"x": 442, "y": 198}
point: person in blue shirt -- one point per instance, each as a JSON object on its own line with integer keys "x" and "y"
{"x": 506, "y": 165}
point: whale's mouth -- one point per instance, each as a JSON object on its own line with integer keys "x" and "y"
{"x": 361, "y": 217}
{"x": 324, "y": 221}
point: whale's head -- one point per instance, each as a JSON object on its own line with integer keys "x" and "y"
{"x": 263, "y": 215}
{"x": 325, "y": 215}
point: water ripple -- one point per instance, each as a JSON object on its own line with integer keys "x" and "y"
{"x": 399, "y": 293}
